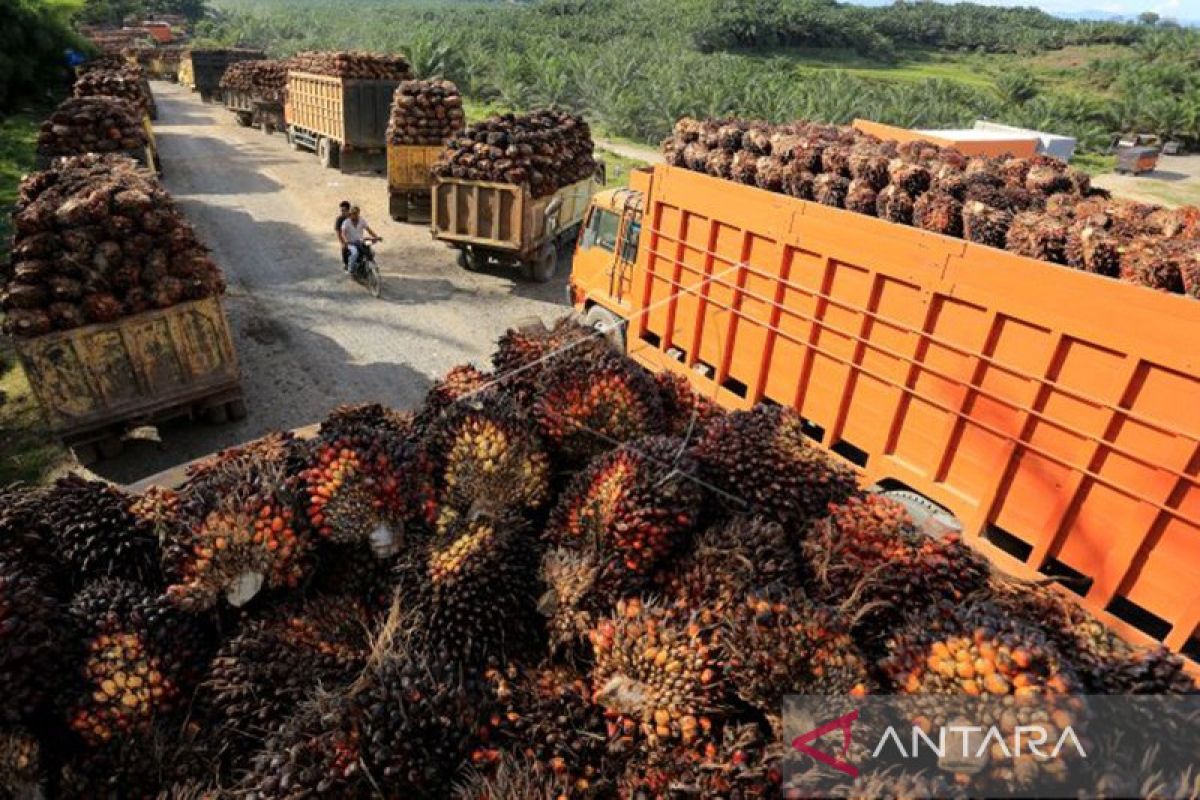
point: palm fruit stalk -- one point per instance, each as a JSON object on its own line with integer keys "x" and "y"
{"x": 659, "y": 674}
{"x": 471, "y": 593}
{"x": 354, "y": 64}
{"x": 581, "y": 588}
{"x": 685, "y": 412}
{"x": 544, "y": 717}
{"x": 96, "y": 238}
{"x": 587, "y": 408}
{"x": 278, "y": 660}
{"x": 488, "y": 458}
{"x": 545, "y": 149}
{"x": 635, "y": 504}
{"x": 139, "y": 658}
{"x": 760, "y": 462}
{"x": 91, "y": 125}
{"x": 31, "y": 641}
{"x": 742, "y": 761}
{"x": 867, "y": 560}
{"x": 427, "y": 112}
{"x": 508, "y": 777}
{"x": 239, "y": 527}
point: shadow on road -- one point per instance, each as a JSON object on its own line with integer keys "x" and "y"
{"x": 241, "y": 171}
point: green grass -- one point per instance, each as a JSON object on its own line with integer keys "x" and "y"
{"x": 1094, "y": 163}
{"x": 27, "y": 451}
{"x": 617, "y": 167}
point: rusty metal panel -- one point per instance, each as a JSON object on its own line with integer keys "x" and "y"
{"x": 409, "y": 165}
{"x": 108, "y": 373}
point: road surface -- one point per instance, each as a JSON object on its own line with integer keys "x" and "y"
{"x": 1175, "y": 182}
{"x": 308, "y": 337}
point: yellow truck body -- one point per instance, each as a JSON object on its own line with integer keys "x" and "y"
{"x": 410, "y": 180}
{"x": 138, "y": 369}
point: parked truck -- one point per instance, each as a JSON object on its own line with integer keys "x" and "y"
{"x": 201, "y": 69}
{"x": 501, "y": 222}
{"x": 97, "y": 382}
{"x": 1047, "y": 413}
{"x": 342, "y": 120}
{"x": 410, "y": 181}
{"x": 248, "y": 110}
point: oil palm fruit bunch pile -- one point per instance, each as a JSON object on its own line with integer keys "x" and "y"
{"x": 239, "y": 527}
{"x": 140, "y": 656}
{"x": 635, "y": 504}
{"x": 263, "y": 79}
{"x": 762, "y": 463}
{"x": 487, "y": 459}
{"x": 616, "y": 615}
{"x": 867, "y": 559}
{"x": 425, "y": 113}
{"x": 94, "y": 124}
{"x": 353, "y": 64}
{"x": 97, "y": 239}
{"x": 127, "y": 83}
{"x": 544, "y": 150}
{"x": 1037, "y": 207}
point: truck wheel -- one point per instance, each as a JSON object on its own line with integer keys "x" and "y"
{"x": 398, "y": 207}
{"x": 216, "y": 415}
{"x": 544, "y": 264}
{"x": 243, "y": 119}
{"x": 327, "y": 152}
{"x": 236, "y": 409}
{"x": 471, "y": 260}
{"x": 600, "y": 319}
{"x": 110, "y": 446}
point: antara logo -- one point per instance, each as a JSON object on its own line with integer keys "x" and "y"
{"x": 843, "y": 723}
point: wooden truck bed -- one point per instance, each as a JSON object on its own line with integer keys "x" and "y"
{"x": 502, "y": 216}
{"x": 352, "y": 112}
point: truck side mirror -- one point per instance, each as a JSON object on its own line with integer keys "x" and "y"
{"x": 589, "y": 234}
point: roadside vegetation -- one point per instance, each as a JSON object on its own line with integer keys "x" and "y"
{"x": 635, "y": 66}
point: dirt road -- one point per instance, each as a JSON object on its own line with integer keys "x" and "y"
{"x": 308, "y": 337}
{"x": 1175, "y": 182}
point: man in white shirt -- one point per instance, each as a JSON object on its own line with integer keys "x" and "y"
{"x": 354, "y": 230}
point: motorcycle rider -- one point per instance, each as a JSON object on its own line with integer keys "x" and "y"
{"x": 354, "y": 231}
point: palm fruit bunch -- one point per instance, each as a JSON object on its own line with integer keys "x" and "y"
{"x": 685, "y": 412}
{"x": 264, "y": 79}
{"x": 545, "y": 149}
{"x": 353, "y": 64}
{"x": 658, "y": 673}
{"x": 895, "y": 205}
{"x": 238, "y": 526}
{"x": 471, "y": 592}
{"x": 581, "y": 588}
{"x": 861, "y": 197}
{"x": 780, "y": 643}
{"x": 938, "y": 212}
{"x": 727, "y": 562}
{"x": 544, "y": 716}
{"x": 460, "y": 382}
{"x": 126, "y": 83}
{"x": 97, "y": 536}
{"x": 97, "y": 238}
{"x": 1104, "y": 663}
{"x": 139, "y": 659}
{"x": 508, "y": 777}
{"x": 585, "y": 408}
{"x": 276, "y": 661}
{"x": 867, "y": 559}
{"x": 1160, "y": 263}
{"x": 1092, "y": 247}
{"x": 523, "y": 355}
{"x": 1038, "y": 236}
{"x": 31, "y": 638}
{"x": 20, "y": 764}
{"x": 830, "y": 189}
{"x": 760, "y": 462}
{"x": 91, "y": 125}
{"x": 742, "y": 762}
{"x": 985, "y": 224}
{"x": 425, "y": 113}
{"x": 635, "y": 504}
{"x": 488, "y": 459}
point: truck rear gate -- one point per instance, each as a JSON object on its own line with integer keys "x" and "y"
{"x": 343, "y": 120}
{"x": 410, "y": 181}
{"x": 1051, "y": 410}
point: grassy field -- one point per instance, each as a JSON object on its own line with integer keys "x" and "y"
{"x": 27, "y": 451}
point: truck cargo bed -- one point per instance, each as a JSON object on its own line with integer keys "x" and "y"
{"x": 502, "y": 216}
{"x": 352, "y": 112}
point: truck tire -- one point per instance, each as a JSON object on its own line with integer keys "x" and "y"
{"x": 236, "y": 409}
{"x": 327, "y": 153}
{"x": 471, "y": 260}
{"x": 600, "y": 319}
{"x": 243, "y": 119}
{"x": 216, "y": 415}
{"x": 398, "y": 207}
{"x": 544, "y": 264}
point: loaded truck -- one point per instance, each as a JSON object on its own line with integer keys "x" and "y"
{"x": 248, "y": 110}
{"x": 1047, "y": 414}
{"x": 201, "y": 70}
{"x": 410, "y": 181}
{"x": 342, "y": 120}
{"x": 503, "y": 223}
{"x": 97, "y": 382}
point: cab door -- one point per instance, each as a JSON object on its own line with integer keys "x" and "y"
{"x": 595, "y": 259}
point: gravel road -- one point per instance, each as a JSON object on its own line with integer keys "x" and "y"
{"x": 308, "y": 337}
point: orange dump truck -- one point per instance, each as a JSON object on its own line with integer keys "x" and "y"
{"x": 1051, "y": 414}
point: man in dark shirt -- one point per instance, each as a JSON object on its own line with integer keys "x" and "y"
{"x": 343, "y": 212}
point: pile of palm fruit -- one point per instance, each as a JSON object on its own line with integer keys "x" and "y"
{"x": 92, "y": 125}
{"x": 425, "y": 113}
{"x": 97, "y": 238}
{"x": 263, "y": 79}
{"x": 127, "y": 82}
{"x": 564, "y": 578}
{"x": 545, "y": 149}
{"x": 355, "y": 64}
{"x": 1036, "y": 207}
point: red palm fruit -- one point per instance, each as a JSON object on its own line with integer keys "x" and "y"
{"x": 861, "y": 198}
{"x": 1158, "y": 264}
{"x": 741, "y": 761}
{"x": 1037, "y": 235}
{"x": 637, "y": 503}
{"x": 895, "y": 205}
{"x": 938, "y": 212}
{"x": 760, "y": 462}
{"x": 685, "y": 412}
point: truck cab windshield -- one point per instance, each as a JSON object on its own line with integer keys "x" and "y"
{"x": 602, "y": 230}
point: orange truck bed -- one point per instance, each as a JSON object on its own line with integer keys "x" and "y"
{"x": 1054, "y": 412}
